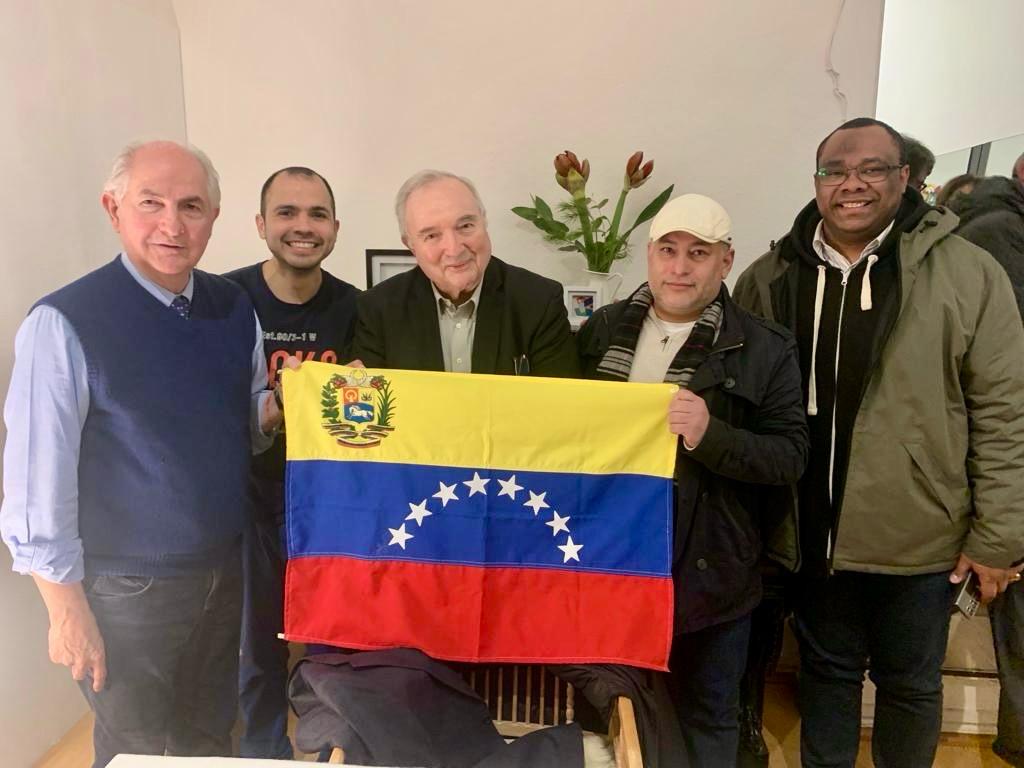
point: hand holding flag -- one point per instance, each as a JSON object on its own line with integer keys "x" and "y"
{"x": 688, "y": 417}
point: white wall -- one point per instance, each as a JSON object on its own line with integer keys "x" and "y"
{"x": 77, "y": 80}
{"x": 730, "y": 99}
{"x": 1003, "y": 154}
{"x": 949, "y": 165}
{"x": 950, "y": 71}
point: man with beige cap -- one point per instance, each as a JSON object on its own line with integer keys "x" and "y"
{"x": 743, "y": 443}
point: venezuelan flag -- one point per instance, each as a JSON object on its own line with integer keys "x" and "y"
{"x": 479, "y": 518}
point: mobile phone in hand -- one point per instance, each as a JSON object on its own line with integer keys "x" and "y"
{"x": 968, "y": 598}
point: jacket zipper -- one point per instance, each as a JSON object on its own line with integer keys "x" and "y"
{"x": 834, "y": 528}
{"x": 727, "y": 349}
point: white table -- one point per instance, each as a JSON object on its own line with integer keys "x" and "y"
{"x": 159, "y": 761}
{"x": 154, "y": 761}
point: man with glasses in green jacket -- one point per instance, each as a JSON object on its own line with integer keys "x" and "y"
{"x": 912, "y": 360}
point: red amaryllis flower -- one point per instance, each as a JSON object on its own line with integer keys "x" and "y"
{"x": 566, "y": 162}
{"x": 637, "y": 174}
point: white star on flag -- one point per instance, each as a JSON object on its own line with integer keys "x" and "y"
{"x": 509, "y": 488}
{"x": 399, "y": 536}
{"x": 558, "y": 523}
{"x": 536, "y": 502}
{"x": 418, "y": 511}
{"x": 570, "y": 550}
{"x": 477, "y": 484}
{"x": 446, "y": 493}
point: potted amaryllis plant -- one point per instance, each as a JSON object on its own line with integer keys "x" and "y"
{"x": 580, "y": 224}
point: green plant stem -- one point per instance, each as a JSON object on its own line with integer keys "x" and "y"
{"x": 580, "y": 201}
{"x": 614, "y": 231}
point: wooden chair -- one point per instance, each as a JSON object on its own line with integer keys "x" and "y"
{"x": 523, "y": 698}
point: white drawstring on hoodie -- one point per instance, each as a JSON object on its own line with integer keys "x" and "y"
{"x": 812, "y": 386}
{"x": 865, "y": 287}
{"x": 831, "y": 256}
{"x": 819, "y": 301}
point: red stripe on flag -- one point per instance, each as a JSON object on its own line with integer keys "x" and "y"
{"x": 528, "y": 614}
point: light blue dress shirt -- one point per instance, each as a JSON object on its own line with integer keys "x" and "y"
{"x": 45, "y": 411}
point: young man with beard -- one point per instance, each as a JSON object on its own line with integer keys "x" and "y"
{"x": 912, "y": 360}
{"x": 743, "y": 443}
{"x": 309, "y": 314}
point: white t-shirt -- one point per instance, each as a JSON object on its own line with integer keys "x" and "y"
{"x": 656, "y": 348}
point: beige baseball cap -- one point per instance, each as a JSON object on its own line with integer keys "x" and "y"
{"x": 698, "y": 215}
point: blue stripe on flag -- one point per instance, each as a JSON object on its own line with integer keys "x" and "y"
{"x": 368, "y": 509}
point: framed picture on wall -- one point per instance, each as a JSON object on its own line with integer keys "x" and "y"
{"x": 382, "y": 264}
{"x": 580, "y": 303}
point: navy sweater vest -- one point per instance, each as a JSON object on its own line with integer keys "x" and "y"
{"x": 166, "y": 447}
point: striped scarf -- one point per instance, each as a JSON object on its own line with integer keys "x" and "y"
{"x": 618, "y": 360}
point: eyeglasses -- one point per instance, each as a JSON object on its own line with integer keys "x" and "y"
{"x": 869, "y": 173}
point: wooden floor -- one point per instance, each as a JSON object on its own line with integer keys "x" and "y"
{"x": 782, "y": 732}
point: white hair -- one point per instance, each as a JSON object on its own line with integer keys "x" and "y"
{"x": 422, "y": 179}
{"x": 117, "y": 182}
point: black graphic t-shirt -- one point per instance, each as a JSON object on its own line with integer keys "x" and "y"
{"x": 321, "y": 330}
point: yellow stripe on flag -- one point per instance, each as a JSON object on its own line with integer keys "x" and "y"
{"x": 474, "y": 420}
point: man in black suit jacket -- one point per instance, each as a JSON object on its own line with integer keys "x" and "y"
{"x": 460, "y": 309}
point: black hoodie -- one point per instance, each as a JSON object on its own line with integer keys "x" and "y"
{"x": 868, "y": 313}
{"x": 992, "y": 216}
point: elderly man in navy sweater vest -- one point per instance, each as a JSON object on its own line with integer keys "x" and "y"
{"x": 136, "y": 398}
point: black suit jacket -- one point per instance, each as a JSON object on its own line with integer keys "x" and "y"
{"x": 520, "y": 313}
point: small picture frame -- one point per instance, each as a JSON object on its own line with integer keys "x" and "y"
{"x": 580, "y": 303}
{"x": 384, "y": 263}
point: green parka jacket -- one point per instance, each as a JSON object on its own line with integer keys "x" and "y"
{"x": 936, "y": 463}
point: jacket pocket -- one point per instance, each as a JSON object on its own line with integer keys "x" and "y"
{"x": 932, "y": 481}
{"x": 729, "y": 532}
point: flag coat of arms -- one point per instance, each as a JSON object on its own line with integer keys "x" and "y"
{"x": 479, "y": 518}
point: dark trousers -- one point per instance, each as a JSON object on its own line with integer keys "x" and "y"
{"x": 767, "y": 625}
{"x": 1007, "y": 616}
{"x": 263, "y": 662}
{"x": 172, "y": 662}
{"x": 900, "y": 625}
{"x": 705, "y": 668}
